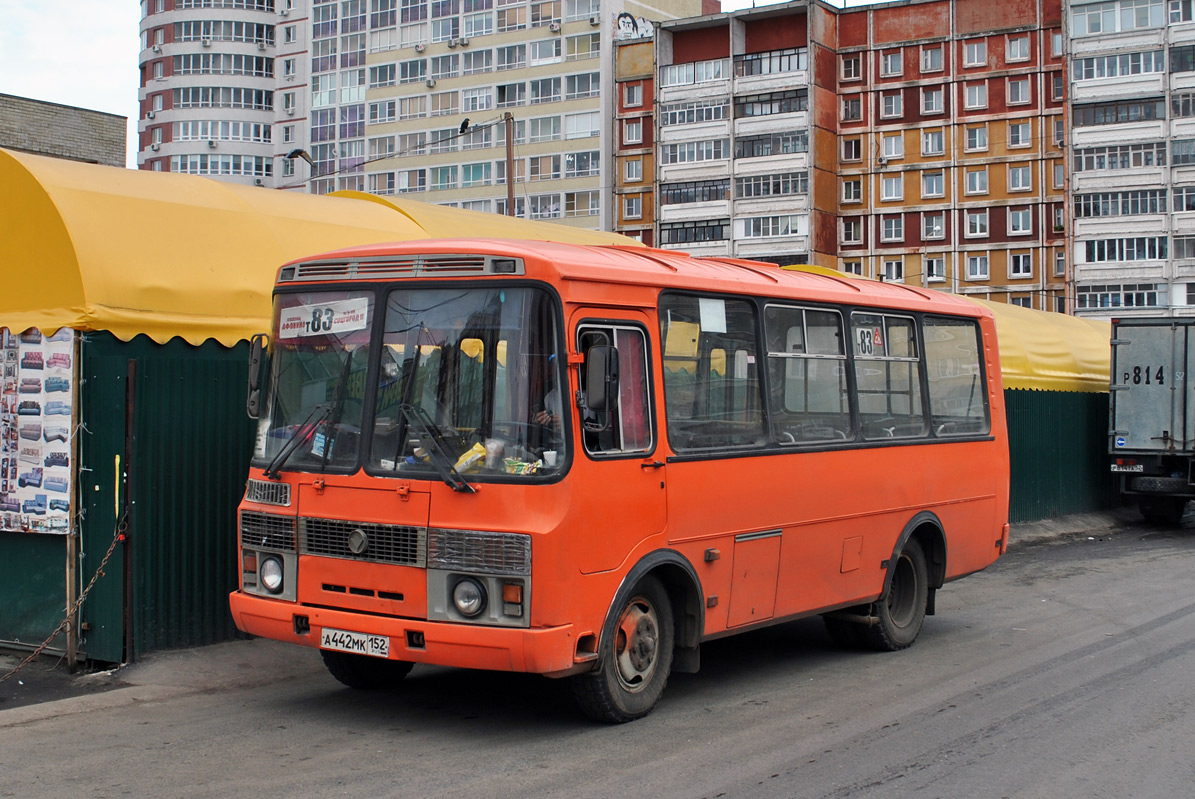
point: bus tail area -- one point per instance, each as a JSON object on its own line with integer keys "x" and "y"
{"x": 583, "y": 461}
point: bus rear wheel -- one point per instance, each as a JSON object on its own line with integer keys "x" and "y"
{"x": 363, "y": 672}
{"x": 635, "y": 657}
{"x": 900, "y": 613}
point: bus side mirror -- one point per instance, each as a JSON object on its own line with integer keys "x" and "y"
{"x": 257, "y": 347}
{"x": 601, "y": 378}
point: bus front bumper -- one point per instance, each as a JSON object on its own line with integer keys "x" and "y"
{"x": 539, "y": 651}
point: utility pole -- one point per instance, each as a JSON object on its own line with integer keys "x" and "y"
{"x": 510, "y": 163}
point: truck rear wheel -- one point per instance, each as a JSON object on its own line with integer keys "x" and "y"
{"x": 1162, "y": 510}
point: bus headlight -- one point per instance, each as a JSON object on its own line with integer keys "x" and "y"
{"x": 468, "y": 596}
{"x": 270, "y": 572}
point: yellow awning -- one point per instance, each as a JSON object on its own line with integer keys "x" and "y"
{"x": 128, "y": 251}
{"x": 1051, "y": 351}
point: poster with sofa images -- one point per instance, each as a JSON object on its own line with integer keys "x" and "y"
{"x": 36, "y": 426}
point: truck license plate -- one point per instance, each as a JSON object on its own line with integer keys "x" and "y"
{"x": 1135, "y": 467}
{"x": 377, "y": 646}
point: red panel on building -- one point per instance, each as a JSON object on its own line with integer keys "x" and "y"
{"x": 920, "y": 21}
{"x": 776, "y": 33}
{"x": 852, "y": 28}
{"x": 973, "y": 16}
{"x": 702, "y": 44}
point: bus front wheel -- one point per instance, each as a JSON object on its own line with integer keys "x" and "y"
{"x": 364, "y": 672}
{"x": 635, "y": 657}
{"x": 900, "y": 613}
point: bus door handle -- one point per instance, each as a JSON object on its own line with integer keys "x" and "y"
{"x": 651, "y": 464}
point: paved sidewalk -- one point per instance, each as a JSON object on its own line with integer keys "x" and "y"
{"x": 46, "y": 688}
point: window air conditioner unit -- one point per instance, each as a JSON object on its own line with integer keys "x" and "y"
{"x": 596, "y": 19}
{"x": 464, "y": 42}
{"x": 258, "y": 182}
{"x": 452, "y": 42}
{"x": 419, "y": 48}
{"x": 431, "y": 83}
{"x": 261, "y": 45}
{"x": 285, "y": 12}
{"x": 150, "y": 114}
{"x": 211, "y": 143}
{"x": 206, "y": 42}
{"x": 157, "y": 48}
{"x": 881, "y": 160}
{"x": 554, "y": 27}
{"x": 290, "y": 112}
{"x": 155, "y": 147}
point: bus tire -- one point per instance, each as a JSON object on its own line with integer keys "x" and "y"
{"x": 635, "y": 657}
{"x": 363, "y": 672}
{"x": 900, "y": 613}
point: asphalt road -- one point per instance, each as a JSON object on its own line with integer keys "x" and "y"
{"x": 1066, "y": 670}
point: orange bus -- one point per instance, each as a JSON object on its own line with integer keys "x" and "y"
{"x": 583, "y": 461}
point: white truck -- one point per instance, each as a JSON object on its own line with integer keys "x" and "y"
{"x": 1152, "y": 411}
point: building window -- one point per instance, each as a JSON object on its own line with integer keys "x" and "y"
{"x": 1056, "y": 44}
{"x": 891, "y": 64}
{"x": 1018, "y": 91}
{"x": 852, "y": 108}
{"x": 852, "y": 230}
{"x": 933, "y": 142}
{"x": 1140, "y": 248}
{"x": 933, "y": 184}
{"x": 695, "y": 232}
{"x": 1020, "y": 221}
{"x": 852, "y": 267}
{"x": 632, "y": 170}
{"x": 632, "y": 95}
{"x": 894, "y": 270}
{"x": 932, "y": 100}
{"x": 1057, "y": 86}
{"x": 1020, "y": 178}
{"x": 891, "y": 104}
{"x": 852, "y": 67}
{"x": 852, "y": 149}
{"x": 1020, "y": 264}
{"x": 933, "y": 225}
{"x": 976, "y": 181}
{"x": 696, "y": 191}
{"x": 852, "y": 190}
{"x": 1020, "y": 133}
{"x": 935, "y": 268}
{"x": 892, "y": 187}
{"x": 1059, "y": 263}
{"x": 1126, "y": 156}
{"x": 1129, "y": 295}
{"x": 977, "y": 266}
{"x": 632, "y": 207}
{"x": 1117, "y": 112}
{"x": 976, "y": 95}
{"x": 1120, "y": 65}
{"x": 892, "y": 228}
{"x": 893, "y": 145}
{"x": 975, "y": 53}
{"x": 1018, "y": 48}
{"x": 931, "y": 58}
{"x": 632, "y": 131}
{"x": 783, "y": 184}
{"x": 1059, "y": 170}
{"x": 977, "y": 223}
{"x": 977, "y": 138}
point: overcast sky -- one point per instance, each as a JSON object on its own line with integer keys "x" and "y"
{"x": 84, "y": 53}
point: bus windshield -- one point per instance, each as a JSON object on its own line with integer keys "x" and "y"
{"x": 476, "y": 371}
{"x": 464, "y": 382}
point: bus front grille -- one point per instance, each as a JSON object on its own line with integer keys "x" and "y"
{"x": 267, "y": 531}
{"x": 380, "y": 543}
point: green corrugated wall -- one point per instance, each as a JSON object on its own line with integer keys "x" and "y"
{"x": 187, "y": 469}
{"x": 1058, "y": 451}
{"x": 33, "y": 574}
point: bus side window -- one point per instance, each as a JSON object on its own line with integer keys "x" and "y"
{"x": 958, "y": 401}
{"x": 887, "y": 372}
{"x": 627, "y": 424}
{"x": 807, "y": 368}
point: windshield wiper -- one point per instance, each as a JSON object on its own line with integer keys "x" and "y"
{"x": 292, "y": 443}
{"x": 331, "y": 420}
{"x": 433, "y": 442}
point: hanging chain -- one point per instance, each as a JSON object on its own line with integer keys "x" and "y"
{"x": 99, "y": 572}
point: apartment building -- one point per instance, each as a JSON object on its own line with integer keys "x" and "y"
{"x": 207, "y": 88}
{"x": 1133, "y": 113}
{"x": 634, "y": 172}
{"x": 920, "y": 142}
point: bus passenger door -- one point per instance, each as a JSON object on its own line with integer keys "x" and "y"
{"x": 620, "y": 496}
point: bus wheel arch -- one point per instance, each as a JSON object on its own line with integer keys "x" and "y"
{"x": 652, "y": 627}
{"x": 916, "y": 569}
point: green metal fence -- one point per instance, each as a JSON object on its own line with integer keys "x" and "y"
{"x": 1058, "y": 447}
{"x": 181, "y": 475}
{"x": 33, "y": 574}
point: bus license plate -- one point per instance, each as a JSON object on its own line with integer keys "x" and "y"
{"x": 377, "y": 646}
